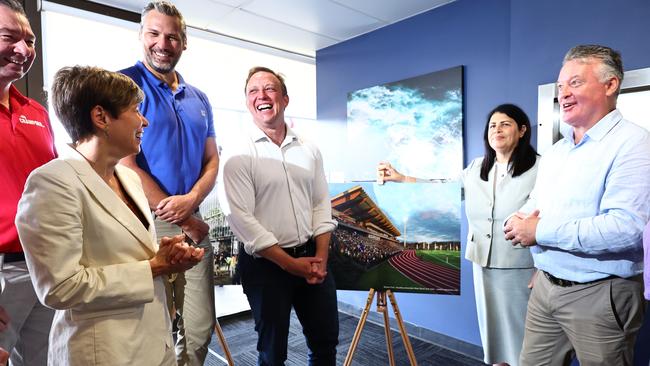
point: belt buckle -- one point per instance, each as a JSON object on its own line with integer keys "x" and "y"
{"x": 564, "y": 283}
{"x": 295, "y": 251}
{"x": 558, "y": 281}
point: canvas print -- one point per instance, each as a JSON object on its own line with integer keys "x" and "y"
{"x": 415, "y": 124}
{"x": 391, "y": 237}
{"x": 401, "y": 234}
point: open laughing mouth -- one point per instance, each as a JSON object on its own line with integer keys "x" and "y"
{"x": 566, "y": 106}
{"x": 264, "y": 107}
{"x": 161, "y": 55}
{"x": 19, "y": 62}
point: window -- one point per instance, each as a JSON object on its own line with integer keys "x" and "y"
{"x": 215, "y": 64}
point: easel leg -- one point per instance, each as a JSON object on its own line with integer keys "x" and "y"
{"x": 381, "y": 306}
{"x": 400, "y": 323}
{"x": 222, "y": 341}
{"x": 357, "y": 332}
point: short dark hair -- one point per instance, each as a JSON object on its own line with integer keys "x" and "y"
{"x": 524, "y": 155}
{"x": 612, "y": 63}
{"x": 257, "y": 69}
{"x": 77, "y": 90}
{"x": 14, "y": 5}
{"x": 169, "y": 9}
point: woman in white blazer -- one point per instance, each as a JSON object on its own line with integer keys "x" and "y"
{"x": 87, "y": 233}
{"x": 497, "y": 185}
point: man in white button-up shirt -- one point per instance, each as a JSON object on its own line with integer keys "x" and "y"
{"x": 275, "y": 196}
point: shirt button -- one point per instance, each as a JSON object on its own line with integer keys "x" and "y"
{"x": 489, "y": 219}
{"x": 488, "y": 236}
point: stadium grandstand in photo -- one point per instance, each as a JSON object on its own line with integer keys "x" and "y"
{"x": 369, "y": 251}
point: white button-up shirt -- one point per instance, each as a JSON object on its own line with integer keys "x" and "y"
{"x": 274, "y": 194}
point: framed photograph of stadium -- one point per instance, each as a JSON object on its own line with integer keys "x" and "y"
{"x": 402, "y": 237}
{"x": 416, "y": 124}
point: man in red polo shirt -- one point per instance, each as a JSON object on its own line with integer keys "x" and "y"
{"x": 26, "y": 143}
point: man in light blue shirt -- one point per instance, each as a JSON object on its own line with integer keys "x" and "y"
{"x": 584, "y": 222}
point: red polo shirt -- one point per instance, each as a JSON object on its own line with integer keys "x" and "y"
{"x": 26, "y": 142}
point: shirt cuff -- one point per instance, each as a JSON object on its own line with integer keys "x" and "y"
{"x": 326, "y": 227}
{"x": 545, "y": 232}
{"x": 262, "y": 242}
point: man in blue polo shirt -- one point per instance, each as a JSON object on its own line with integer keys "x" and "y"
{"x": 178, "y": 166}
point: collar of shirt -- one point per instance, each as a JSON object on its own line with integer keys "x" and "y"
{"x": 596, "y": 132}
{"x": 16, "y": 101}
{"x": 154, "y": 80}
{"x": 258, "y": 135}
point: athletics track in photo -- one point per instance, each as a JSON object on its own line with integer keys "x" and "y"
{"x": 407, "y": 270}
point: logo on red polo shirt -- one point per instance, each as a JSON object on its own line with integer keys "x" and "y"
{"x": 23, "y": 119}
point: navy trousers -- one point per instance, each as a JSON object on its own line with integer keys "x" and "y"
{"x": 271, "y": 293}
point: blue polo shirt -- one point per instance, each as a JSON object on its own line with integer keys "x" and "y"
{"x": 179, "y": 124}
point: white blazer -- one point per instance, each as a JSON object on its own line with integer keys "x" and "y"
{"x": 88, "y": 257}
{"x": 486, "y": 206}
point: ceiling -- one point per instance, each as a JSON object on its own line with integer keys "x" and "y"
{"x": 297, "y": 26}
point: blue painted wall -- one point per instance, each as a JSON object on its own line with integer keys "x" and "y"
{"x": 507, "y": 47}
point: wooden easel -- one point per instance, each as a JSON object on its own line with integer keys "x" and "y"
{"x": 382, "y": 308}
{"x": 222, "y": 341}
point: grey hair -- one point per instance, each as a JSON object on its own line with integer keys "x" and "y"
{"x": 612, "y": 64}
{"x": 15, "y": 6}
{"x": 167, "y": 8}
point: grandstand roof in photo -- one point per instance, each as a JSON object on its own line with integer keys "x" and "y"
{"x": 356, "y": 204}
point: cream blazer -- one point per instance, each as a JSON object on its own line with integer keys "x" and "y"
{"x": 486, "y": 206}
{"x": 87, "y": 255}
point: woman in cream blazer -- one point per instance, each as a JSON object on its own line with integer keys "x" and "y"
{"x": 88, "y": 237}
{"x": 496, "y": 186}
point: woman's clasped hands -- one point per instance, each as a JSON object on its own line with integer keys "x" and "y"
{"x": 175, "y": 255}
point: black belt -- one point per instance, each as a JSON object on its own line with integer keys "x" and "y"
{"x": 566, "y": 283}
{"x": 14, "y": 257}
{"x": 302, "y": 250}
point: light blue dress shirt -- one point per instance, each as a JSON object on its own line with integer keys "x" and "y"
{"x": 594, "y": 202}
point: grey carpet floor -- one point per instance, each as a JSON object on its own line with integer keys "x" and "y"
{"x": 241, "y": 338}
